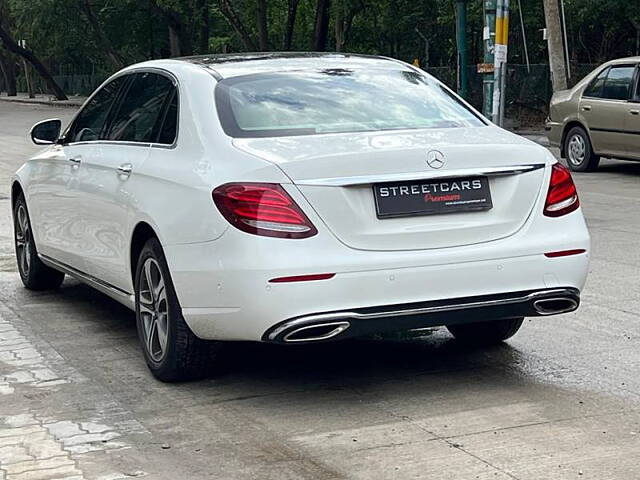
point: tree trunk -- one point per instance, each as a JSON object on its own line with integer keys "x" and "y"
{"x": 343, "y": 23}
{"x": 28, "y": 55}
{"x": 205, "y": 27}
{"x": 556, "y": 45}
{"x": 180, "y": 42}
{"x": 226, "y": 8}
{"x": 321, "y": 30}
{"x": 179, "y": 38}
{"x": 8, "y": 67}
{"x": 263, "y": 34}
{"x": 339, "y": 26}
{"x": 292, "y": 11}
{"x": 174, "y": 42}
{"x": 114, "y": 57}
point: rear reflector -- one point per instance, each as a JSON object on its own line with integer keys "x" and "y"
{"x": 565, "y": 253}
{"x": 562, "y": 197}
{"x": 303, "y": 278}
{"x": 262, "y": 209}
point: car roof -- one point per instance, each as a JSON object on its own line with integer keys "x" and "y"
{"x": 618, "y": 61}
{"x": 232, "y": 65}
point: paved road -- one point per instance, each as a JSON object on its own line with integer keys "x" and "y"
{"x": 559, "y": 401}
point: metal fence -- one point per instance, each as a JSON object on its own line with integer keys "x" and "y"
{"x": 72, "y": 84}
{"x": 528, "y": 88}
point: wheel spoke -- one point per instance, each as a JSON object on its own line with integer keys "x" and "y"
{"x": 26, "y": 255}
{"x": 151, "y": 336}
{"x": 145, "y": 308}
{"x": 22, "y": 219}
{"x": 23, "y": 261}
{"x": 162, "y": 331}
{"x": 158, "y": 293}
{"x": 147, "y": 275}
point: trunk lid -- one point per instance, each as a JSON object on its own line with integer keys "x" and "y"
{"x": 336, "y": 174}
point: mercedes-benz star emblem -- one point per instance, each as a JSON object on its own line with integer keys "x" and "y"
{"x": 435, "y": 159}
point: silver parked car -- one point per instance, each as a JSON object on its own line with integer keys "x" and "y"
{"x": 599, "y": 117}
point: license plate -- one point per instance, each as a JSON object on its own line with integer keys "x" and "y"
{"x": 432, "y": 197}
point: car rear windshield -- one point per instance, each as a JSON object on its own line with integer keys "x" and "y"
{"x": 336, "y": 101}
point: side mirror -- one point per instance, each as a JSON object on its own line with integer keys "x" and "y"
{"x": 46, "y": 132}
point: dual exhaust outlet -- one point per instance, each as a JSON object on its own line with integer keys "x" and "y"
{"x": 555, "y": 306}
{"x": 325, "y": 326}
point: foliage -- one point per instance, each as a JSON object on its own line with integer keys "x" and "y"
{"x": 60, "y": 34}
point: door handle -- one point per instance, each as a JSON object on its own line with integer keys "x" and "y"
{"x": 125, "y": 169}
{"x": 587, "y": 108}
{"x": 75, "y": 160}
{"x": 634, "y": 112}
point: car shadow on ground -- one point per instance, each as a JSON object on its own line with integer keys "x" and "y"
{"x": 332, "y": 363}
{"x": 622, "y": 167}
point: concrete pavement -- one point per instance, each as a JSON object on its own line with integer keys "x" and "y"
{"x": 561, "y": 400}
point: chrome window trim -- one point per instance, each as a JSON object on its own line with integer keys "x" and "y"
{"x": 133, "y": 71}
{"x": 608, "y": 69}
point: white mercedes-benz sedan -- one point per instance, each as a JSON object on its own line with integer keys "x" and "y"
{"x": 292, "y": 198}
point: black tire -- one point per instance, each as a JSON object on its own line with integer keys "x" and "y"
{"x": 34, "y": 274}
{"x": 486, "y": 333}
{"x": 579, "y": 151}
{"x": 184, "y": 356}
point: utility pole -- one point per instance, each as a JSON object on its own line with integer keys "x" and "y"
{"x": 500, "y": 61}
{"x": 461, "y": 41}
{"x": 487, "y": 69}
{"x": 555, "y": 43}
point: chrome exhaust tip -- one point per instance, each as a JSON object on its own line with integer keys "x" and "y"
{"x": 316, "y": 332}
{"x": 554, "y": 306}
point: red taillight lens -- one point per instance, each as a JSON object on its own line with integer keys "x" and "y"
{"x": 562, "y": 197}
{"x": 262, "y": 209}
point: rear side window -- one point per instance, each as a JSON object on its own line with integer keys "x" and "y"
{"x": 140, "y": 111}
{"x": 594, "y": 89}
{"x": 90, "y": 122}
{"x": 617, "y": 86}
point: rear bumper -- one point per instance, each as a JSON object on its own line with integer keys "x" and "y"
{"x": 365, "y": 321}
{"x": 225, "y": 291}
{"x": 554, "y": 132}
{"x": 231, "y": 298}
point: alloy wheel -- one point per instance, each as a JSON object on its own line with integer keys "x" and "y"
{"x": 154, "y": 310}
{"x": 23, "y": 240}
{"x": 577, "y": 150}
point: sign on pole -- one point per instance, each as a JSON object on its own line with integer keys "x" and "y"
{"x": 500, "y": 60}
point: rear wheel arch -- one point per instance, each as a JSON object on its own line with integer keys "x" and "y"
{"x": 141, "y": 234}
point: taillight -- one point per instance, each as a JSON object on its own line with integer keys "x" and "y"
{"x": 562, "y": 197}
{"x": 262, "y": 209}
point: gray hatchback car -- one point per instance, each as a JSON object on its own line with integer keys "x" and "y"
{"x": 599, "y": 117}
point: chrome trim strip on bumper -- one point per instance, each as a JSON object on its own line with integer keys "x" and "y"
{"x": 121, "y": 296}
{"x": 423, "y": 175}
{"x": 314, "y": 319}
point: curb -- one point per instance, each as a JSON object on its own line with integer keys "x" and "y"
{"x": 38, "y": 101}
